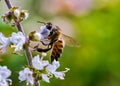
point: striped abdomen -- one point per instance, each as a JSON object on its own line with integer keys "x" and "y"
{"x": 57, "y": 50}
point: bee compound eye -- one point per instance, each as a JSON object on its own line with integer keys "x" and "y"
{"x": 49, "y": 26}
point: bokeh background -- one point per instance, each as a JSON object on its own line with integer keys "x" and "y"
{"x": 95, "y": 24}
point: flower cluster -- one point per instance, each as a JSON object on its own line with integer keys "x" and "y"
{"x": 4, "y": 74}
{"x": 15, "y": 14}
{"x": 41, "y": 70}
{"x": 16, "y": 40}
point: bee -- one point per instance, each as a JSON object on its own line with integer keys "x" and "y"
{"x": 55, "y": 40}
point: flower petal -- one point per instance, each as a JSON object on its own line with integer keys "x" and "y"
{"x": 56, "y": 64}
{"x": 4, "y": 42}
{"x": 59, "y": 75}
{"x": 45, "y": 78}
{"x": 38, "y": 63}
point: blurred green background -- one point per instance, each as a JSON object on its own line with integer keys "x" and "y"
{"x": 95, "y": 24}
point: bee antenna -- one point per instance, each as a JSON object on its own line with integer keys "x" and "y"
{"x": 41, "y": 22}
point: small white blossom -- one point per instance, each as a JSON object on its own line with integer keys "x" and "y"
{"x": 45, "y": 78}
{"x": 4, "y": 42}
{"x": 18, "y": 40}
{"x": 17, "y": 13}
{"x": 44, "y": 34}
{"x": 4, "y": 74}
{"x": 51, "y": 69}
{"x": 26, "y": 74}
{"x": 3, "y": 82}
{"x": 38, "y": 63}
{"x": 44, "y": 31}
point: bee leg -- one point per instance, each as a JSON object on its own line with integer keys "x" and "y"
{"x": 44, "y": 50}
{"x": 36, "y": 47}
{"x": 43, "y": 43}
{"x": 53, "y": 41}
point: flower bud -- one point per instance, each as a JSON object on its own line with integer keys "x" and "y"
{"x": 17, "y": 12}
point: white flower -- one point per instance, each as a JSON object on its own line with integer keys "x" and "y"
{"x": 44, "y": 31}
{"x": 4, "y": 74}
{"x": 4, "y": 42}
{"x": 45, "y": 78}
{"x": 17, "y": 13}
{"x": 44, "y": 34}
{"x": 18, "y": 40}
{"x": 38, "y": 63}
{"x": 51, "y": 69}
{"x": 26, "y": 74}
{"x": 3, "y": 82}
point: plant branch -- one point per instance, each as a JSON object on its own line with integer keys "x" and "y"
{"x": 9, "y": 5}
{"x": 19, "y": 27}
{"x": 37, "y": 83}
{"x": 27, "y": 50}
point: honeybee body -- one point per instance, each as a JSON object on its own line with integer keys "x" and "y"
{"x": 57, "y": 43}
{"x": 57, "y": 50}
{"x": 52, "y": 37}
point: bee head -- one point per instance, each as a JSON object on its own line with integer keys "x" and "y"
{"x": 49, "y": 25}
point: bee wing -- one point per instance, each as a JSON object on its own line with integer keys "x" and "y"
{"x": 70, "y": 41}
